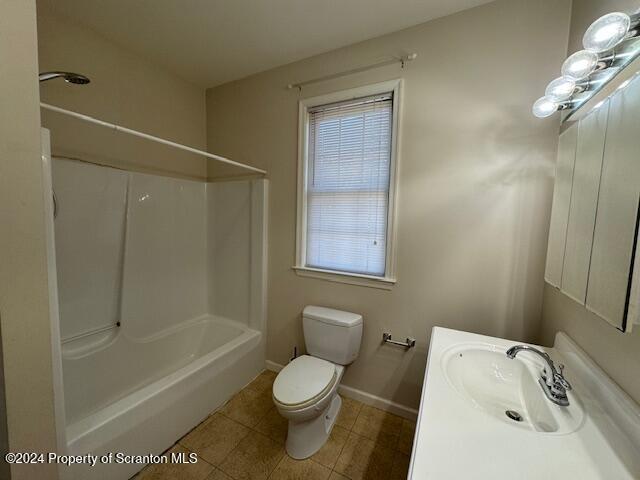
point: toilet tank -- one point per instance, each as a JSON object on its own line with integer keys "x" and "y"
{"x": 332, "y": 335}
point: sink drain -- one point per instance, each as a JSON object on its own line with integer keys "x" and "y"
{"x": 513, "y": 415}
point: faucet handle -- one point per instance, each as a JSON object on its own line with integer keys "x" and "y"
{"x": 564, "y": 382}
{"x": 559, "y": 378}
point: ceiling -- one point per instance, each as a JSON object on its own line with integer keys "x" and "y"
{"x": 210, "y": 42}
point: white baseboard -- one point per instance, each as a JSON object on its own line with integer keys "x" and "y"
{"x": 364, "y": 397}
{"x": 378, "y": 402}
{"x": 273, "y": 366}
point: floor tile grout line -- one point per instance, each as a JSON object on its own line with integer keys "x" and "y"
{"x": 231, "y": 451}
{"x": 253, "y": 429}
{"x": 276, "y": 467}
{"x": 333, "y": 469}
{"x": 228, "y": 454}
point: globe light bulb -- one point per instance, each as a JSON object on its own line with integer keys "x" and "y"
{"x": 580, "y": 65}
{"x": 606, "y": 32}
{"x": 544, "y": 107}
{"x": 560, "y": 89}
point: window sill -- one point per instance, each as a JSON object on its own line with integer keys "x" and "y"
{"x": 385, "y": 283}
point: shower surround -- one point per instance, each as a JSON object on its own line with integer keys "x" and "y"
{"x": 161, "y": 290}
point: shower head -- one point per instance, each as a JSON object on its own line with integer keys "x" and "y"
{"x": 68, "y": 77}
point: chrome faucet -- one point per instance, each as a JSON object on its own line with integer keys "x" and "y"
{"x": 553, "y": 383}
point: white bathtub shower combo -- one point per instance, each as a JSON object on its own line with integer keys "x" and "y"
{"x": 161, "y": 287}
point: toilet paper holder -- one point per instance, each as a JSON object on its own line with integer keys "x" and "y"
{"x": 408, "y": 343}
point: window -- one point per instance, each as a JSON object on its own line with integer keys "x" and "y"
{"x": 346, "y": 189}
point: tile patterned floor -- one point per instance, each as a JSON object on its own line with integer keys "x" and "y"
{"x": 244, "y": 440}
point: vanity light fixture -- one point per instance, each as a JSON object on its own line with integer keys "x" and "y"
{"x": 545, "y": 107}
{"x": 580, "y": 65}
{"x": 586, "y": 71}
{"x": 609, "y": 31}
{"x": 562, "y": 88}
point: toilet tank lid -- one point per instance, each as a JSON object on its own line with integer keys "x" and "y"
{"x": 331, "y": 316}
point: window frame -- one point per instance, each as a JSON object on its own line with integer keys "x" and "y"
{"x": 389, "y": 279}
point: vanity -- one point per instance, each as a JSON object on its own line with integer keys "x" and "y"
{"x": 484, "y": 412}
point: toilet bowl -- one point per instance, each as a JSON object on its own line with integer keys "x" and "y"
{"x": 305, "y": 391}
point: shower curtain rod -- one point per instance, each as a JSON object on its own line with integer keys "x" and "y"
{"x": 135, "y": 133}
{"x": 401, "y": 60}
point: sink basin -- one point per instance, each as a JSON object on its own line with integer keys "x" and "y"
{"x": 464, "y": 432}
{"x": 507, "y": 389}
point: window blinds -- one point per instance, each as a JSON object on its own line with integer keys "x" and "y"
{"x": 349, "y": 157}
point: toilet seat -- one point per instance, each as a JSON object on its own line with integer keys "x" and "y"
{"x": 303, "y": 382}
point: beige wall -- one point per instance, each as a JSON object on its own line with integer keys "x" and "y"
{"x": 617, "y": 353}
{"x": 474, "y": 185}
{"x": 125, "y": 89}
{"x": 24, "y": 307}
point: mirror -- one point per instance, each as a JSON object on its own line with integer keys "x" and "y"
{"x": 591, "y": 254}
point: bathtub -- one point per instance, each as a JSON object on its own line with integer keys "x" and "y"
{"x": 156, "y": 314}
{"x": 137, "y": 396}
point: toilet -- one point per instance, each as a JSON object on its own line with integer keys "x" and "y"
{"x": 305, "y": 391}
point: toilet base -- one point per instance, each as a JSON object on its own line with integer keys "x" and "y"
{"x": 306, "y": 438}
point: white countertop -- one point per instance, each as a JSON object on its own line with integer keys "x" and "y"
{"x": 457, "y": 440}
